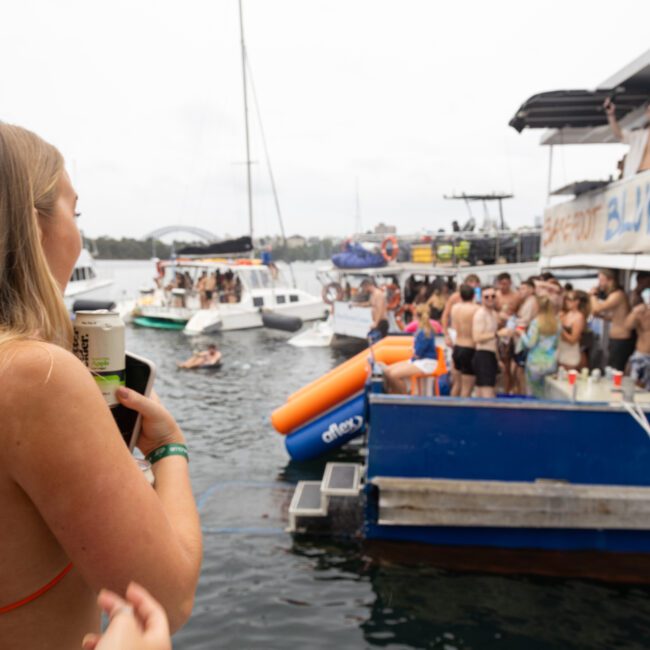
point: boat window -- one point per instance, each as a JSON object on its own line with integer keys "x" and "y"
{"x": 91, "y": 273}
{"x": 258, "y": 302}
{"x": 293, "y": 298}
{"x": 265, "y": 280}
{"x": 280, "y": 300}
{"x": 84, "y": 272}
{"x": 254, "y": 279}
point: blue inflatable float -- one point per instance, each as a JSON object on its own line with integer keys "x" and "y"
{"x": 330, "y": 431}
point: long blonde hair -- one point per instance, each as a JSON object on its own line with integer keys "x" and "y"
{"x": 31, "y": 304}
{"x": 422, "y": 314}
{"x": 547, "y": 321}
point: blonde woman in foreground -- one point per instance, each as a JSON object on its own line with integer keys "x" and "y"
{"x": 78, "y": 514}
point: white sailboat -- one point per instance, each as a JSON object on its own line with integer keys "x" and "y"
{"x": 262, "y": 293}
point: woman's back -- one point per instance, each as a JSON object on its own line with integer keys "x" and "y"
{"x": 31, "y": 556}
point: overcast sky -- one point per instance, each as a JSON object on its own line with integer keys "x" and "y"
{"x": 412, "y": 98}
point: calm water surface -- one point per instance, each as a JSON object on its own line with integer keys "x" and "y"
{"x": 260, "y": 588}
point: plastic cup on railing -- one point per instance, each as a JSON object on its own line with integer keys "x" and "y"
{"x": 572, "y": 375}
{"x": 617, "y": 378}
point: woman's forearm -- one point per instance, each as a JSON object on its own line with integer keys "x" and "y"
{"x": 174, "y": 490}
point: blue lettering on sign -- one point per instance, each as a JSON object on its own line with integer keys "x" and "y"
{"x": 613, "y": 219}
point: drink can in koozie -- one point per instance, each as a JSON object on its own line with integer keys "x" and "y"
{"x": 98, "y": 341}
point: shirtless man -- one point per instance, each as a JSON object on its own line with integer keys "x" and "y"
{"x": 471, "y": 280}
{"x": 462, "y": 317}
{"x": 609, "y": 302}
{"x": 639, "y": 319}
{"x": 378, "y": 310}
{"x": 507, "y": 305}
{"x": 210, "y": 289}
{"x": 485, "y": 324}
{"x": 638, "y": 157}
{"x": 200, "y": 288}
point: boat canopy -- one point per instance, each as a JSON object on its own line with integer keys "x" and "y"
{"x": 228, "y": 247}
{"x": 578, "y": 117}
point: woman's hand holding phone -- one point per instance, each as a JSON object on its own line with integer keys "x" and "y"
{"x": 158, "y": 425}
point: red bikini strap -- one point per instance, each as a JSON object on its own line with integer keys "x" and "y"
{"x": 36, "y": 594}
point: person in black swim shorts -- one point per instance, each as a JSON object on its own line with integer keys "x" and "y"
{"x": 484, "y": 330}
{"x": 462, "y": 315}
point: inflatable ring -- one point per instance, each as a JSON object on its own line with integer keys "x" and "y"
{"x": 394, "y": 248}
{"x": 393, "y": 296}
{"x": 332, "y": 292}
{"x": 160, "y": 269}
{"x": 400, "y": 313}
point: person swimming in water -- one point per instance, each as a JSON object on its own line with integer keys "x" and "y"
{"x": 206, "y": 358}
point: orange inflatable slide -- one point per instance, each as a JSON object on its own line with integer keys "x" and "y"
{"x": 338, "y": 384}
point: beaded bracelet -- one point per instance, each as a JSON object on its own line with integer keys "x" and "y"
{"x": 171, "y": 449}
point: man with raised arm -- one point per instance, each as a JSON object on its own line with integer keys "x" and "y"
{"x": 638, "y": 157}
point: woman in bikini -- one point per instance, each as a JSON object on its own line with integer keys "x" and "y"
{"x": 78, "y": 513}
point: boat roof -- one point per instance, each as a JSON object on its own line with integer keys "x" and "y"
{"x": 577, "y": 116}
{"x": 216, "y": 263}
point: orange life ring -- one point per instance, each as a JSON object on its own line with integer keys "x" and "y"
{"x": 400, "y": 312}
{"x": 394, "y": 248}
{"x": 393, "y": 296}
{"x": 160, "y": 269}
{"x": 332, "y": 292}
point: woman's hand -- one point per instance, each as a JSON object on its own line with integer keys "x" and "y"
{"x": 158, "y": 424}
{"x": 137, "y": 623}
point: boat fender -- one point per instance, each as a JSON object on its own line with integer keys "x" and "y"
{"x": 393, "y": 296}
{"x": 281, "y": 322}
{"x": 332, "y": 292}
{"x": 390, "y": 248}
{"x": 84, "y": 304}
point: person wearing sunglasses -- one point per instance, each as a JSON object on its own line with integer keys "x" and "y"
{"x": 484, "y": 331}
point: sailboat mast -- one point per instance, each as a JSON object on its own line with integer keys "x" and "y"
{"x": 248, "y": 149}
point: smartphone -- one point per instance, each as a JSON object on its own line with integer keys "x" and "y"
{"x": 140, "y": 374}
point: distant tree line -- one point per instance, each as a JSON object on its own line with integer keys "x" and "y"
{"x": 108, "y": 248}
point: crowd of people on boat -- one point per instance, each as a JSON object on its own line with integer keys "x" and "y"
{"x": 211, "y": 287}
{"x": 510, "y": 339}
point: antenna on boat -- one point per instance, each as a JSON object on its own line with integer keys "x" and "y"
{"x": 248, "y": 150}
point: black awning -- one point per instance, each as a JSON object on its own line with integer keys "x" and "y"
{"x": 580, "y": 187}
{"x": 574, "y": 108}
{"x": 228, "y": 247}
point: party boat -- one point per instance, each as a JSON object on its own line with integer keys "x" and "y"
{"x": 554, "y": 485}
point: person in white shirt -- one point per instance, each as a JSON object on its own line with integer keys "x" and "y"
{"x": 638, "y": 157}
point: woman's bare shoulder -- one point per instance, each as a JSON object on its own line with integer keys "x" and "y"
{"x": 33, "y": 368}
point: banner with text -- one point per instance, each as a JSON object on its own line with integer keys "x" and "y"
{"x": 613, "y": 220}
